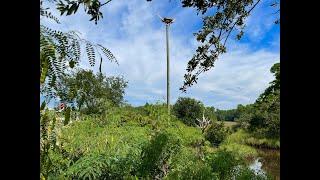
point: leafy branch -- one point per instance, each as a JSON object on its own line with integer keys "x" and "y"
{"x": 229, "y": 15}
{"x": 91, "y": 7}
{"x": 62, "y": 50}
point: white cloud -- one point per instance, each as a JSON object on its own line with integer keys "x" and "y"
{"x": 133, "y": 32}
{"x": 239, "y": 76}
{"x": 261, "y": 21}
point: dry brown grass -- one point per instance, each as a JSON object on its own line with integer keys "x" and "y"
{"x": 230, "y": 123}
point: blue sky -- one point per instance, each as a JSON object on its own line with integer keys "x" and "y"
{"x": 135, "y": 35}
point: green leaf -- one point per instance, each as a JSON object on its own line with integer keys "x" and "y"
{"x": 72, "y": 63}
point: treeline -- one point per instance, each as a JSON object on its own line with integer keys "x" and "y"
{"x": 227, "y": 115}
{"x": 88, "y": 93}
{"x": 261, "y": 117}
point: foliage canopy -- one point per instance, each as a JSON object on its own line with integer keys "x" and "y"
{"x": 92, "y": 93}
{"x": 188, "y": 110}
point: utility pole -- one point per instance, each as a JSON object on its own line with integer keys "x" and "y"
{"x": 167, "y": 22}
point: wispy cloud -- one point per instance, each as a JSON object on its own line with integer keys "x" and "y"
{"x": 133, "y": 32}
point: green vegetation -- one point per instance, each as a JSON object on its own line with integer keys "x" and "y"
{"x": 227, "y": 115}
{"x": 113, "y": 146}
{"x": 98, "y": 136}
{"x": 125, "y": 142}
{"x": 263, "y": 117}
{"x": 188, "y": 110}
{"x": 90, "y": 93}
{"x": 60, "y": 51}
{"x": 216, "y": 133}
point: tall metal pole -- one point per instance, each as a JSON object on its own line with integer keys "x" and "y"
{"x": 168, "y": 21}
{"x": 168, "y": 69}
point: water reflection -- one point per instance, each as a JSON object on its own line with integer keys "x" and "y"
{"x": 256, "y": 166}
{"x": 268, "y": 161}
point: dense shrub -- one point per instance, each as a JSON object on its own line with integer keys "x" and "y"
{"x": 88, "y": 167}
{"x": 158, "y": 112}
{"x": 48, "y": 123}
{"x": 154, "y": 116}
{"x": 195, "y": 171}
{"x": 88, "y": 137}
{"x": 59, "y": 163}
{"x": 186, "y": 157}
{"x": 187, "y": 165}
{"x": 216, "y": 133}
{"x": 224, "y": 163}
{"x": 156, "y": 156}
{"x": 228, "y": 165}
{"x": 188, "y": 110}
{"x": 103, "y": 166}
{"x": 244, "y": 173}
{"x": 188, "y": 136}
{"x": 116, "y": 150}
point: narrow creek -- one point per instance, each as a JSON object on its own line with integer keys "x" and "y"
{"x": 268, "y": 161}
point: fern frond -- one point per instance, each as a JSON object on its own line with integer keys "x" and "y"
{"x": 91, "y": 166}
{"x": 59, "y": 50}
{"x": 47, "y": 14}
{"x": 108, "y": 54}
{"x": 77, "y": 49}
{"x": 90, "y": 53}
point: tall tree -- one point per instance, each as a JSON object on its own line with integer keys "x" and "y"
{"x": 90, "y": 93}
{"x": 274, "y": 85}
{"x": 263, "y": 117}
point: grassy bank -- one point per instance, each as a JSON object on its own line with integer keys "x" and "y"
{"x": 244, "y": 138}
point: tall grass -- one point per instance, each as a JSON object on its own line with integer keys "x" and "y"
{"x": 246, "y": 138}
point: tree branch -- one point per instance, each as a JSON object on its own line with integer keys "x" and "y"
{"x": 105, "y": 3}
{"x": 237, "y": 21}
